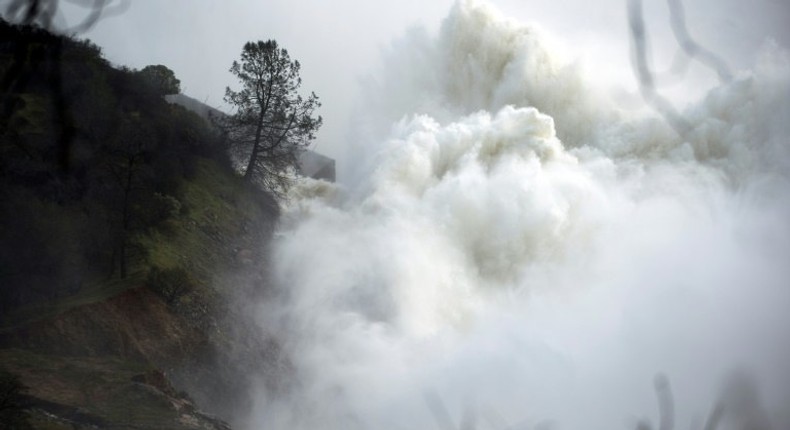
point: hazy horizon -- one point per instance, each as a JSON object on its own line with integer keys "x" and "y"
{"x": 513, "y": 231}
{"x": 341, "y": 43}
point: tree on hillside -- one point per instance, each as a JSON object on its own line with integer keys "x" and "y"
{"x": 272, "y": 122}
{"x": 160, "y": 79}
{"x": 129, "y": 177}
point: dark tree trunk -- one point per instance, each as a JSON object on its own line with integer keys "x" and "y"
{"x": 123, "y": 257}
{"x": 256, "y": 146}
{"x": 127, "y": 191}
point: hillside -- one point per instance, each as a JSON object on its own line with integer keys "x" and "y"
{"x": 128, "y": 247}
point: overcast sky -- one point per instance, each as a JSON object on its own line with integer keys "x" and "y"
{"x": 339, "y": 41}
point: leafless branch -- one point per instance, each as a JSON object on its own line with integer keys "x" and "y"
{"x": 646, "y": 76}
{"x": 44, "y": 13}
{"x": 439, "y": 411}
{"x": 678, "y": 20}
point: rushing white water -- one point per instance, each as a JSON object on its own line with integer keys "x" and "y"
{"x": 527, "y": 254}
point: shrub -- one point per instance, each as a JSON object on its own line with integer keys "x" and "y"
{"x": 170, "y": 284}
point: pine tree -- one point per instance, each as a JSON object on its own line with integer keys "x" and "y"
{"x": 272, "y": 123}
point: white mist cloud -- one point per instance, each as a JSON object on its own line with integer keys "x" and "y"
{"x": 338, "y": 42}
{"x": 535, "y": 277}
{"x": 508, "y": 238}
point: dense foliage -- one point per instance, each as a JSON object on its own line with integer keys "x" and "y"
{"x": 90, "y": 158}
{"x": 160, "y": 79}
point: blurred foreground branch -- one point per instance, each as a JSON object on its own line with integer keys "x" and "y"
{"x": 44, "y": 14}
{"x": 738, "y": 404}
{"x": 666, "y": 406}
{"x": 677, "y": 16}
{"x": 646, "y": 76}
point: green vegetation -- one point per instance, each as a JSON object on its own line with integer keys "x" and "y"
{"x": 122, "y": 194}
{"x": 273, "y": 123}
{"x": 125, "y": 234}
{"x": 160, "y": 79}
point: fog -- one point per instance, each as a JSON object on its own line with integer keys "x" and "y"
{"x": 515, "y": 236}
{"x": 339, "y": 42}
{"x": 517, "y": 247}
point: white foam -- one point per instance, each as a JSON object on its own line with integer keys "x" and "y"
{"x": 517, "y": 245}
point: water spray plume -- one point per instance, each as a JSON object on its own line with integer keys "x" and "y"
{"x": 516, "y": 244}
